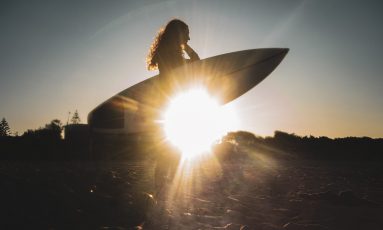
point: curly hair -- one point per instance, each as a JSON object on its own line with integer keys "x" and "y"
{"x": 167, "y": 40}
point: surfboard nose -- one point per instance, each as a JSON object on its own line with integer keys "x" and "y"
{"x": 269, "y": 53}
{"x": 276, "y": 55}
{"x": 244, "y": 70}
{"x": 283, "y": 51}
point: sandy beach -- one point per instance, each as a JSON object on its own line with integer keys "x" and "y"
{"x": 253, "y": 193}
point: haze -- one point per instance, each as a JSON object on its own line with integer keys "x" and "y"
{"x": 58, "y": 56}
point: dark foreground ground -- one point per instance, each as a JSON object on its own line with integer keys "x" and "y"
{"x": 257, "y": 192}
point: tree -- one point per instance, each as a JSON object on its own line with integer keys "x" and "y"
{"x": 4, "y": 128}
{"x": 51, "y": 131}
{"x": 54, "y": 129}
{"x": 54, "y": 125}
{"x": 75, "y": 118}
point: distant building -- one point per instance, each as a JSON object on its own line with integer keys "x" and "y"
{"x": 76, "y": 137}
{"x": 76, "y": 133}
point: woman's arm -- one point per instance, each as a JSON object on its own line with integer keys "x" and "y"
{"x": 191, "y": 53}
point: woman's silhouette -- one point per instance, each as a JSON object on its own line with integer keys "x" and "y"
{"x": 167, "y": 53}
{"x": 170, "y": 45}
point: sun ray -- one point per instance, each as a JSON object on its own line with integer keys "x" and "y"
{"x": 193, "y": 120}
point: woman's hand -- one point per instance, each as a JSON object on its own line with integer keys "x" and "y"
{"x": 190, "y": 52}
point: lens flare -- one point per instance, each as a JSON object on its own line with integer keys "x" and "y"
{"x": 193, "y": 120}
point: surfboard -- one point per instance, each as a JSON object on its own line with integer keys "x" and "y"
{"x": 226, "y": 77}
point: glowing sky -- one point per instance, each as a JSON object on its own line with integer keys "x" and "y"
{"x": 58, "y": 56}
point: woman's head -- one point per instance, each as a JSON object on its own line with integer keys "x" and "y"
{"x": 170, "y": 38}
{"x": 176, "y": 32}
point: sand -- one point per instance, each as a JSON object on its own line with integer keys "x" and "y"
{"x": 256, "y": 192}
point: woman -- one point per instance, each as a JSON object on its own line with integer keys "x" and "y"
{"x": 169, "y": 46}
{"x": 167, "y": 53}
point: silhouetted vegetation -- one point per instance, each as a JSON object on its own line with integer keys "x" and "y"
{"x": 310, "y": 147}
{"x": 44, "y": 143}
{"x": 4, "y": 128}
{"x": 51, "y": 132}
{"x": 75, "y": 118}
{"x": 47, "y": 143}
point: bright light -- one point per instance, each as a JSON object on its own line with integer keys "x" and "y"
{"x": 194, "y": 120}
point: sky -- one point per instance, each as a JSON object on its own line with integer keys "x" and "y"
{"x": 59, "y": 56}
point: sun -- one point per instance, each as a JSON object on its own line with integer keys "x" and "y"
{"x": 193, "y": 120}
